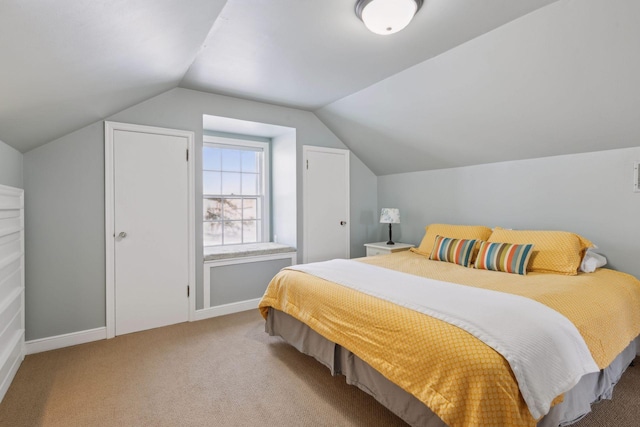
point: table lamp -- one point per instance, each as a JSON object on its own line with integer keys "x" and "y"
{"x": 390, "y": 216}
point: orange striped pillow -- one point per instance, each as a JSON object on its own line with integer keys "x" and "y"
{"x": 457, "y": 251}
{"x": 506, "y": 257}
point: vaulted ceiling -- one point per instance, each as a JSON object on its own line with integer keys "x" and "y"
{"x": 467, "y": 82}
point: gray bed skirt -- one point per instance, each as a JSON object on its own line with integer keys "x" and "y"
{"x": 577, "y": 402}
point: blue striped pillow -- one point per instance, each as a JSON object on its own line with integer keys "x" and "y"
{"x": 457, "y": 251}
{"x": 507, "y": 257}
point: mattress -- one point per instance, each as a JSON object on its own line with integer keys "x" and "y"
{"x": 457, "y": 376}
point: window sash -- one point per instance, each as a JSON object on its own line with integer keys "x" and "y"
{"x": 222, "y": 228}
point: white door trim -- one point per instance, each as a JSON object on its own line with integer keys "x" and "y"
{"x": 305, "y": 198}
{"x": 109, "y": 203}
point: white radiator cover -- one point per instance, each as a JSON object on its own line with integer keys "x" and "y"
{"x": 12, "y": 347}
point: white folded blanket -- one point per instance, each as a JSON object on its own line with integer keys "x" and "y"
{"x": 546, "y": 352}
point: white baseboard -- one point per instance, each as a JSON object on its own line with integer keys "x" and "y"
{"x": 221, "y": 310}
{"x": 66, "y": 340}
{"x": 81, "y": 337}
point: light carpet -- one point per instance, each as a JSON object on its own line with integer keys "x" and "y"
{"x": 224, "y": 371}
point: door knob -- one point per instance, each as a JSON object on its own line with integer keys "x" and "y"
{"x": 343, "y": 222}
{"x": 122, "y": 235}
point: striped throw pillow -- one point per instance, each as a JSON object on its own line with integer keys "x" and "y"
{"x": 457, "y": 251}
{"x": 507, "y": 257}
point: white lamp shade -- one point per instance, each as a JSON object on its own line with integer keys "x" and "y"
{"x": 388, "y": 16}
{"x": 390, "y": 216}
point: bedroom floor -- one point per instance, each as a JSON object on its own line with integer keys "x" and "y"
{"x": 223, "y": 371}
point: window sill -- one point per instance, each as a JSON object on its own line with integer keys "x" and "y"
{"x": 241, "y": 251}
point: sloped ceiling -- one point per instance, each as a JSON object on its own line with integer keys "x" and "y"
{"x": 308, "y": 53}
{"x": 468, "y": 82}
{"x": 68, "y": 63}
{"x": 561, "y": 80}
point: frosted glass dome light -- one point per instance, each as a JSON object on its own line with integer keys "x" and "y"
{"x": 387, "y": 16}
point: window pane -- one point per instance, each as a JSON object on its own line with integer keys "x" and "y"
{"x": 249, "y": 231}
{"x": 250, "y": 209}
{"x": 249, "y": 183}
{"x": 232, "y": 232}
{"x": 231, "y": 183}
{"x": 211, "y": 183}
{"x": 211, "y": 158}
{"x": 232, "y": 208}
{"x": 212, "y": 233}
{"x": 212, "y": 209}
{"x": 250, "y": 161}
{"x": 231, "y": 160}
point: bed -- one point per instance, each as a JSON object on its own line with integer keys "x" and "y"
{"x": 434, "y": 373}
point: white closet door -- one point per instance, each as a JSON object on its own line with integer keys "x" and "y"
{"x": 326, "y": 203}
{"x": 151, "y": 230}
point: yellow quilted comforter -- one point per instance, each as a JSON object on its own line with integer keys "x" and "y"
{"x": 461, "y": 379}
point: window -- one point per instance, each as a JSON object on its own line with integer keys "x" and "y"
{"x": 235, "y": 191}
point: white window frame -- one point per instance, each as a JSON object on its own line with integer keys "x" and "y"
{"x": 265, "y": 181}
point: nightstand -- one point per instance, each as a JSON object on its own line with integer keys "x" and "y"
{"x": 381, "y": 248}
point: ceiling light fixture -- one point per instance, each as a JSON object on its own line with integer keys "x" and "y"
{"x": 387, "y": 16}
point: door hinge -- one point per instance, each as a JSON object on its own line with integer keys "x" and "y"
{"x": 187, "y": 291}
{"x": 187, "y": 154}
{"x": 307, "y": 164}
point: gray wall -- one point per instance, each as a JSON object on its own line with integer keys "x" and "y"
{"x": 590, "y": 194}
{"x": 10, "y": 166}
{"x": 242, "y": 282}
{"x": 64, "y": 235}
{"x": 364, "y": 208}
{"x": 65, "y": 246}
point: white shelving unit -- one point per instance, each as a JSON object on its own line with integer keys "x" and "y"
{"x": 12, "y": 349}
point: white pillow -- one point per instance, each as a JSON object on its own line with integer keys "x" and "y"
{"x": 591, "y": 261}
